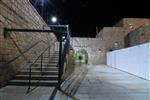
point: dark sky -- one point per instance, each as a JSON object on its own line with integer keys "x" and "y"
{"x": 83, "y": 16}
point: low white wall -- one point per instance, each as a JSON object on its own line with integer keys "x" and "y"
{"x": 134, "y": 60}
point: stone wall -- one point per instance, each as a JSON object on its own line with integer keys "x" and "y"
{"x": 110, "y": 38}
{"x": 94, "y": 47}
{"x": 132, "y": 23}
{"x": 138, "y": 36}
{"x": 114, "y": 36}
{"x": 16, "y": 51}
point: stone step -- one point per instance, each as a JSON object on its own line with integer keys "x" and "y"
{"x": 33, "y": 83}
{"x": 45, "y": 64}
{"x": 48, "y": 77}
{"x": 24, "y": 72}
{"x": 37, "y": 77}
{"x": 51, "y": 53}
{"x": 44, "y": 61}
{"x": 51, "y": 57}
{"x": 44, "y": 68}
{"x": 46, "y": 71}
{"x": 47, "y": 59}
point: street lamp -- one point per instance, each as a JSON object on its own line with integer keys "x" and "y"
{"x": 54, "y": 19}
{"x": 63, "y": 37}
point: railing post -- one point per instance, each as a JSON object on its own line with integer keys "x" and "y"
{"x": 49, "y": 51}
{"x": 41, "y": 63}
{"x": 29, "y": 85}
{"x": 60, "y": 62}
{"x": 54, "y": 47}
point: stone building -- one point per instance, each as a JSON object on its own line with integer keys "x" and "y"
{"x": 16, "y": 51}
{"x": 138, "y": 36}
{"x": 115, "y": 35}
{"x": 94, "y": 47}
{"x": 20, "y": 50}
{"x": 110, "y": 38}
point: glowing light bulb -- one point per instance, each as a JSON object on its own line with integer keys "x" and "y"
{"x": 54, "y": 19}
{"x": 63, "y": 37}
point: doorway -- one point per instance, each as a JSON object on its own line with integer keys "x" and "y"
{"x": 81, "y": 57}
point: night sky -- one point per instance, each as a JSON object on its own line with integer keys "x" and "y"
{"x": 83, "y": 16}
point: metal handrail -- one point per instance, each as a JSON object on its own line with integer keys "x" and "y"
{"x": 30, "y": 69}
{"x": 26, "y": 51}
{"x": 62, "y": 53}
{"x": 65, "y": 51}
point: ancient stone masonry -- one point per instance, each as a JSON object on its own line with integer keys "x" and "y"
{"x": 20, "y": 14}
{"x": 139, "y": 36}
{"x": 95, "y": 48}
{"x": 113, "y": 38}
{"x": 115, "y": 35}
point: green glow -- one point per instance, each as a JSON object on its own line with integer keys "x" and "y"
{"x": 80, "y": 58}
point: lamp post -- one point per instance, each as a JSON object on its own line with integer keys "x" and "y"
{"x": 64, "y": 29}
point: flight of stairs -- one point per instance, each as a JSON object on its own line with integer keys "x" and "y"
{"x": 49, "y": 76}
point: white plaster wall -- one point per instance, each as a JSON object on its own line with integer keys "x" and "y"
{"x": 134, "y": 60}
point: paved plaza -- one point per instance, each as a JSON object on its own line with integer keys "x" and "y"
{"x": 105, "y": 83}
{"x": 100, "y": 83}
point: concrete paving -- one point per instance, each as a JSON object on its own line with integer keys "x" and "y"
{"x": 106, "y": 83}
{"x": 100, "y": 83}
{"x": 19, "y": 93}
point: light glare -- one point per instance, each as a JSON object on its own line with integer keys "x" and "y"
{"x": 54, "y": 19}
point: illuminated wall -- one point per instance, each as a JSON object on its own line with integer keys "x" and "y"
{"x": 81, "y": 57}
{"x": 134, "y": 60}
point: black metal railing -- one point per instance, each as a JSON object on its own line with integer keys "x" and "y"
{"x": 41, "y": 65}
{"x": 62, "y": 57}
{"x": 21, "y": 53}
{"x": 62, "y": 53}
{"x": 65, "y": 50}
